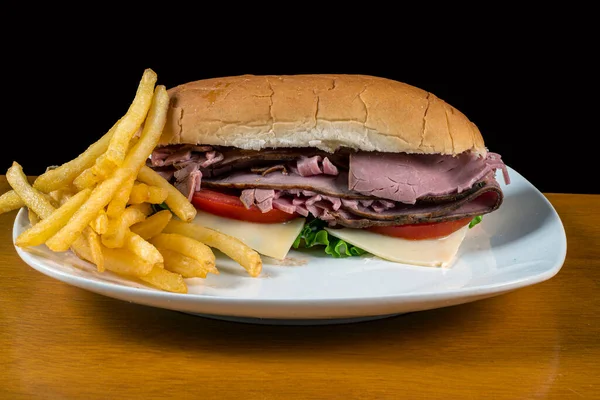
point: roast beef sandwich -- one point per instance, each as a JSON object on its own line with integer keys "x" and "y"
{"x": 339, "y": 164}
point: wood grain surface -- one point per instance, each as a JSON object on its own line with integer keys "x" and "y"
{"x": 540, "y": 342}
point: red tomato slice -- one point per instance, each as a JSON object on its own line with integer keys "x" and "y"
{"x": 431, "y": 230}
{"x": 229, "y": 206}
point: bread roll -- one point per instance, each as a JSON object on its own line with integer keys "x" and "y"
{"x": 323, "y": 111}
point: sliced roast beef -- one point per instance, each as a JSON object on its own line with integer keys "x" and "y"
{"x": 482, "y": 204}
{"x": 169, "y": 155}
{"x": 315, "y": 165}
{"x": 188, "y": 180}
{"x": 347, "y": 188}
{"x": 487, "y": 198}
{"x": 234, "y": 157}
{"x": 329, "y": 185}
{"x": 408, "y": 177}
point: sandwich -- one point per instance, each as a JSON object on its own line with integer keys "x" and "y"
{"x": 339, "y": 165}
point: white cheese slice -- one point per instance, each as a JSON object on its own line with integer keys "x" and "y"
{"x": 430, "y": 252}
{"x": 273, "y": 240}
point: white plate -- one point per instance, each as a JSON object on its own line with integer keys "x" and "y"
{"x": 520, "y": 244}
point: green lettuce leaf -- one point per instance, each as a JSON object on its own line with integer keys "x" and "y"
{"x": 475, "y": 221}
{"x": 314, "y": 234}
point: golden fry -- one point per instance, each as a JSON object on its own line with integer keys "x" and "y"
{"x": 139, "y": 193}
{"x": 177, "y": 202}
{"x": 86, "y": 179}
{"x": 43, "y": 230}
{"x": 188, "y": 247}
{"x": 10, "y": 201}
{"x": 183, "y": 265}
{"x": 100, "y": 223}
{"x": 230, "y": 246}
{"x": 93, "y": 240}
{"x": 165, "y": 280}
{"x": 119, "y": 201}
{"x": 132, "y": 120}
{"x": 157, "y": 194}
{"x": 142, "y": 248}
{"x": 33, "y": 198}
{"x": 152, "y": 225}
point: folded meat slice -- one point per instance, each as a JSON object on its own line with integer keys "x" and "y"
{"x": 408, "y": 177}
{"x": 486, "y": 198}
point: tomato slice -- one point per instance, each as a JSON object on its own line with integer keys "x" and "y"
{"x": 230, "y": 206}
{"x": 431, "y": 230}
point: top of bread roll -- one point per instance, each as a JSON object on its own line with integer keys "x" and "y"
{"x": 324, "y": 111}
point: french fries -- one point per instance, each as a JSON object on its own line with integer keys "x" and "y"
{"x": 187, "y": 267}
{"x": 104, "y": 206}
{"x": 230, "y": 246}
{"x": 119, "y": 227}
{"x": 104, "y": 191}
{"x": 188, "y": 247}
{"x": 176, "y": 201}
{"x": 142, "y": 193}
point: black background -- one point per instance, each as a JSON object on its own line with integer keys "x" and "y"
{"x": 521, "y": 83}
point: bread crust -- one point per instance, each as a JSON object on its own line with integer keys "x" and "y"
{"x": 325, "y": 111}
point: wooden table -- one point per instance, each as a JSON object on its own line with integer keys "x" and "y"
{"x": 543, "y": 341}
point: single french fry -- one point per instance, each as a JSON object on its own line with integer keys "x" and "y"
{"x": 165, "y": 280}
{"x": 86, "y": 179}
{"x": 104, "y": 191}
{"x": 59, "y": 177}
{"x": 132, "y": 120}
{"x": 33, "y": 198}
{"x": 104, "y": 166}
{"x": 121, "y": 261}
{"x": 145, "y": 208}
{"x": 119, "y": 201}
{"x": 100, "y": 223}
{"x": 139, "y": 193}
{"x": 152, "y": 225}
{"x": 119, "y": 226}
{"x": 93, "y": 240}
{"x": 44, "y": 229}
{"x": 229, "y": 245}
{"x": 177, "y": 202}
{"x": 10, "y": 201}
{"x": 182, "y": 264}
{"x": 188, "y": 247}
{"x": 157, "y": 194}
{"x": 142, "y": 248}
